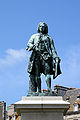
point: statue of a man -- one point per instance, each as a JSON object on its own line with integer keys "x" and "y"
{"x": 44, "y": 59}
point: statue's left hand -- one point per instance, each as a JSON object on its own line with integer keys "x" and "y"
{"x": 57, "y": 59}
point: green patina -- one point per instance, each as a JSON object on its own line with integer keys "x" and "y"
{"x": 44, "y": 59}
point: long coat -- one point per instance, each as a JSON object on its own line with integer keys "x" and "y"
{"x": 33, "y": 44}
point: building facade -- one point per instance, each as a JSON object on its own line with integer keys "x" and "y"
{"x": 2, "y": 110}
{"x": 71, "y": 95}
{"x": 11, "y": 113}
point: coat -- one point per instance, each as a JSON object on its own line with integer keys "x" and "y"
{"x": 34, "y": 41}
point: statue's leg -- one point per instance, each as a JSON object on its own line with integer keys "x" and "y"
{"x": 32, "y": 84}
{"x": 38, "y": 83}
{"x": 48, "y": 81}
{"x": 37, "y": 74}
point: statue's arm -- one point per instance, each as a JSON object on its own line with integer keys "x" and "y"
{"x": 53, "y": 51}
{"x": 52, "y": 47}
{"x": 30, "y": 43}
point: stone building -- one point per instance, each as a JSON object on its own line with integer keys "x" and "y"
{"x": 11, "y": 114}
{"x": 61, "y": 90}
{"x": 2, "y": 110}
{"x": 72, "y": 95}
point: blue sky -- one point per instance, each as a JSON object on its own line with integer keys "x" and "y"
{"x": 18, "y": 21}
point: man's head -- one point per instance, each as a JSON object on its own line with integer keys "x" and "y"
{"x": 42, "y": 28}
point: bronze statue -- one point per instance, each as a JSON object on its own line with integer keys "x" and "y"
{"x": 44, "y": 59}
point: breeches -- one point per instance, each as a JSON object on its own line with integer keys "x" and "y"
{"x": 41, "y": 66}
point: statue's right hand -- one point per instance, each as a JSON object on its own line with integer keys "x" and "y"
{"x": 28, "y": 48}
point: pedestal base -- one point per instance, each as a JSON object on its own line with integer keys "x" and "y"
{"x": 46, "y": 93}
{"x": 41, "y": 108}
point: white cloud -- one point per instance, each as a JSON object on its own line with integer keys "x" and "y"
{"x": 70, "y": 64}
{"x": 13, "y": 56}
{"x": 13, "y": 74}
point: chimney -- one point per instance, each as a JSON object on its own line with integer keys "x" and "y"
{"x": 60, "y": 90}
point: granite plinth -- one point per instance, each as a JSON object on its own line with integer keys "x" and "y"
{"x": 41, "y": 108}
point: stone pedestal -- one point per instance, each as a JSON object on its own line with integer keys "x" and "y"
{"x": 41, "y": 108}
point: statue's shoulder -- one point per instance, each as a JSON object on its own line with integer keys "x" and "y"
{"x": 49, "y": 36}
{"x": 35, "y": 35}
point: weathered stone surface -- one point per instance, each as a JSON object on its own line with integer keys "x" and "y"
{"x": 41, "y": 108}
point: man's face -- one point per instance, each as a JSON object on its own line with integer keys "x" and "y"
{"x": 42, "y": 28}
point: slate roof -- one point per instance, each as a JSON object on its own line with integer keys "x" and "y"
{"x": 73, "y": 96}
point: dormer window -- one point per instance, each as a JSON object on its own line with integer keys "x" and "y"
{"x": 75, "y": 106}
